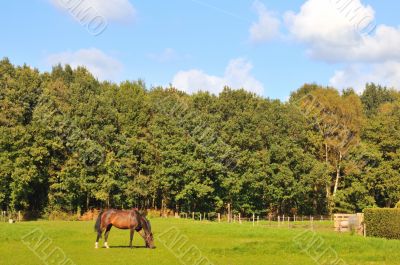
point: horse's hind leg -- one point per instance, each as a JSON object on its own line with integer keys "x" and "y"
{"x": 106, "y": 235}
{"x": 98, "y": 237}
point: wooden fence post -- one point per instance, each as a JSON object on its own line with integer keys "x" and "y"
{"x": 258, "y": 219}
{"x": 365, "y": 230}
{"x": 193, "y": 215}
{"x": 253, "y": 219}
{"x": 229, "y": 213}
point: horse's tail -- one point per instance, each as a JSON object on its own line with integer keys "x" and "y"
{"x": 97, "y": 227}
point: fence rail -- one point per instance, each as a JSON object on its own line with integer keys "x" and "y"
{"x": 6, "y": 216}
{"x": 255, "y": 219}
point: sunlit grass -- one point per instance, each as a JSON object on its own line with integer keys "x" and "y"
{"x": 221, "y": 243}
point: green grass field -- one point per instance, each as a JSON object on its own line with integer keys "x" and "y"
{"x": 220, "y": 243}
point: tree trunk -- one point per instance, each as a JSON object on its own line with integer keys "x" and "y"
{"x": 328, "y": 198}
{"x": 336, "y": 180}
{"x": 328, "y": 186}
{"x": 326, "y": 153}
{"x": 315, "y": 202}
{"x": 337, "y": 175}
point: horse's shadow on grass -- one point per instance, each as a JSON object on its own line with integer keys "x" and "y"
{"x": 128, "y": 247}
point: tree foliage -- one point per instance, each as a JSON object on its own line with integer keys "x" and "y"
{"x": 69, "y": 142}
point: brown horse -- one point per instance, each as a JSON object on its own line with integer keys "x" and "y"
{"x": 131, "y": 220}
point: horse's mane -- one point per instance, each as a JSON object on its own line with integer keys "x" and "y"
{"x": 144, "y": 223}
{"x": 148, "y": 223}
{"x": 143, "y": 220}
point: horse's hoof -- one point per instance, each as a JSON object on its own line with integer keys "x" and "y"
{"x": 96, "y": 245}
{"x": 106, "y": 245}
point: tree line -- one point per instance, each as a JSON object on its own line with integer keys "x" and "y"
{"x": 69, "y": 142}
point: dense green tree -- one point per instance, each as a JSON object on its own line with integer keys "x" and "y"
{"x": 69, "y": 142}
{"x": 374, "y": 96}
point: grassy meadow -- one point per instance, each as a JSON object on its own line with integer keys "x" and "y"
{"x": 217, "y": 243}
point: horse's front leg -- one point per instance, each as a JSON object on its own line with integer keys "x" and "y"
{"x": 131, "y": 237}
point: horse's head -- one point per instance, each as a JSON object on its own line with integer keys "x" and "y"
{"x": 150, "y": 241}
{"x": 149, "y": 235}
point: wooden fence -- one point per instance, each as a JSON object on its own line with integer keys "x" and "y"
{"x": 279, "y": 220}
{"x": 350, "y": 222}
{"x": 10, "y": 217}
{"x": 342, "y": 222}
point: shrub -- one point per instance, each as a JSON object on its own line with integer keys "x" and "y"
{"x": 90, "y": 215}
{"x": 382, "y": 222}
{"x": 152, "y": 213}
{"x": 58, "y": 215}
{"x": 212, "y": 216}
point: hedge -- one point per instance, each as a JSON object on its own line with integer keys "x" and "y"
{"x": 382, "y": 222}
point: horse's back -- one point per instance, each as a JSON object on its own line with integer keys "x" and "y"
{"x": 121, "y": 219}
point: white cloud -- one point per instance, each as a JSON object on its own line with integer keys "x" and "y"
{"x": 334, "y": 32}
{"x": 194, "y": 80}
{"x": 357, "y": 75}
{"x": 320, "y": 21}
{"x": 112, "y": 10}
{"x": 267, "y": 26}
{"x": 344, "y": 31}
{"x": 237, "y": 75}
{"x": 101, "y": 65}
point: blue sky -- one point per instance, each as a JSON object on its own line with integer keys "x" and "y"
{"x": 268, "y": 47}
